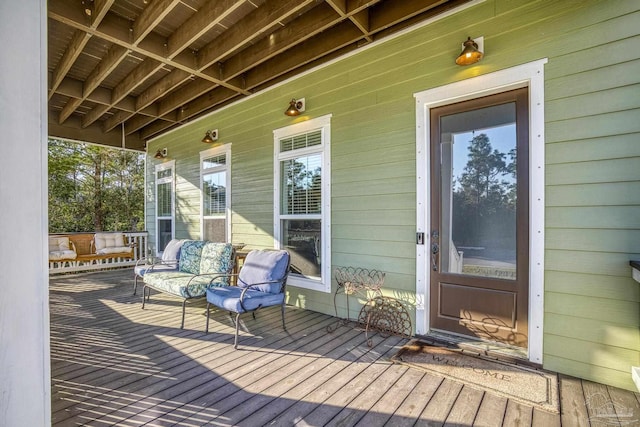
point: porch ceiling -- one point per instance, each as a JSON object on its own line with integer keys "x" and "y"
{"x": 139, "y": 68}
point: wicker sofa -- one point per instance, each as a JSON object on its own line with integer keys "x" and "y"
{"x": 201, "y": 264}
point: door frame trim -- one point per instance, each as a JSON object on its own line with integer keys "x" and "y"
{"x": 529, "y": 75}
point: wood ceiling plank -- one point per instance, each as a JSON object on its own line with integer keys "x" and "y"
{"x": 93, "y": 115}
{"x": 162, "y": 87}
{"x": 257, "y": 22}
{"x": 332, "y": 39}
{"x": 73, "y": 88}
{"x": 153, "y": 128}
{"x": 306, "y": 26}
{"x": 210, "y": 15}
{"x": 73, "y": 130}
{"x": 100, "y": 9}
{"x": 340, "y": 6}
{"x": 117, "y": 31}
{"x": 135, "y": 78}
{"x": 68, "y": 109}
{"x": 117, "y": 119}
{"x": 264, "y": 47}
{"x": 357, "y": 12}
{"x": 74, "y": 49}
{"x": 78, "y": 42}
{"x": 179, "y": 98}
{"x": 388, "y": 14}
{"x": 112, "y": 59}
{"x": 70, "y": 87}
{"x": 204, "y": 102}
{"x": 361, "y": 20}
{"x": 150, "y": 17}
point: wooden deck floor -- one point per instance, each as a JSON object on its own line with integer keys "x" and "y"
{"x": 115, "y": 364}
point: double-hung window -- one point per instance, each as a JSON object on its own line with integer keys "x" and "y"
{"x": 302, "y": 209}
{"x": 165, "y": 202}
{"x": 215, "y": 224}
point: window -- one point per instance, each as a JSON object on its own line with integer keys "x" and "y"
{"x": 302, "y": 201}
{"x": 215, "y": 224}
{"x": 165, "y": 202}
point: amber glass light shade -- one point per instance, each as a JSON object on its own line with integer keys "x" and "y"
{"x": 209, "y": 138}
{"x": 293, "y": 109}
{"x": 470, "y": 53}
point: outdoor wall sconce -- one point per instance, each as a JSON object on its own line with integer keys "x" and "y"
{"x": 161, "y": 153}
{"x": 471, "y": 52}
{"x": 295, "y": 107}
{"x": 211, "y": 136}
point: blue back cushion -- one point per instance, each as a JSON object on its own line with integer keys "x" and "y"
{"x": 190, "y": 255}
{"x": 264, "y": 266}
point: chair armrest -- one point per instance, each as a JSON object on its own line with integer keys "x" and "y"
{"x": 247, "y": 287}
{"x": 214, "y": 276}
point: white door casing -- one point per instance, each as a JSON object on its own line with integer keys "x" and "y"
{"x": 529, "y": 75}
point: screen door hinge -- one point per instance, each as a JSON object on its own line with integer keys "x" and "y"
{"x": 420, "y": 238}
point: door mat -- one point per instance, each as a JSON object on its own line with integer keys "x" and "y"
{"x": 525, "y": 385}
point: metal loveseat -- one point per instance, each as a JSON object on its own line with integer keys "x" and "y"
{"x": 201, "y": 265}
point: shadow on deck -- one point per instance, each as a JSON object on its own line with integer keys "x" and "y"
{"x": 115, "y": 364}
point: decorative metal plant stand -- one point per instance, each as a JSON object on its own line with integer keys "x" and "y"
{"x": 385, "y": 315}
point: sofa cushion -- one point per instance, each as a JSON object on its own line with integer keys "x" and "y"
{"x": 190, "y": 255}
{"x": 178, "y": 283}
{"x": 141, "y": 270}
{"x": 60, "y": 248}
{"x": 172, "y": 250}
{"x": 217, "y": 258}
{"x": 115, "y": 250}
{"x": 110, "y": 243}
{"x": 228, "y": 298}
{"x": 262, "y": 266}
{"x": 59, "y": 244}
{"x": 59, "y": 255}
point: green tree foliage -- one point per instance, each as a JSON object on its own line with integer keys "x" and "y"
{"x": 94, "y": 188}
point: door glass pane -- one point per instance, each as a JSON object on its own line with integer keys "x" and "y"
{"x": 478, "y": 187}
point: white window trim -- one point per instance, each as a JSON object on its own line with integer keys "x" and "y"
{"x": 323, "y": 123}
{"x": 226, "y": 149}
{"x": 529, "y": 75}
{"x": 163, "y": 166}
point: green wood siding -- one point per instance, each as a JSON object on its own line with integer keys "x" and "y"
{"x": 592, "y": 151}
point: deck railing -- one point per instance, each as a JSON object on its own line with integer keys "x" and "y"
{"x": 137, "y": 240}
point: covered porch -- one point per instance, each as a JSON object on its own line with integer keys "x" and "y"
{"x": 115, "y": 364}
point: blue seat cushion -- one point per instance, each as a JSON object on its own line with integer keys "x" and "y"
{"x": 264, "y": 266}
{"x": 180, "y": 284}
{"x": 228, "y": 298}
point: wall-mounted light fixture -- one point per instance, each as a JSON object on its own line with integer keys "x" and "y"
{"x": 472, "y": 51}
{"x": 296, "y": 106}
{"x": 161, "y": 153}
{"x": 211, "y": 136}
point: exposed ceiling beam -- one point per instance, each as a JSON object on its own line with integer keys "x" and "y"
{"x": 116, "y": 30}
{"x": 150, "y": 17}
{"x": 78, "y": 42}
{"x": 73, "y": 130}
{"x": 257, "y": 22}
